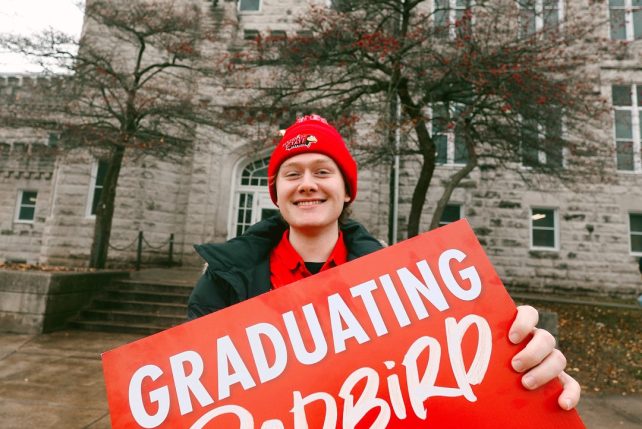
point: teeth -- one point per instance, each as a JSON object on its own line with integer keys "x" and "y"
{"x": 308, "y": 203}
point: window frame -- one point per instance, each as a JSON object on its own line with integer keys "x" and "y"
{"x": 259, "y": 193}
{"x": 629, "y": 28}
{"x": 452, "y": 15}
{"x": 556, "y": 229}
{"x": 631, "y": 233}
{"x": 635, "y": 110}
{"x": 451, "y": 139}
{"x": 238, "y": 7}
{"x": 92, "y": 188}
{"x": 542, "y": 156}
{"x": 460, "y": 206}
{"x": 539, "y": 16}
{"x": 251, "y": 34}
{"x": 20, "y": 205}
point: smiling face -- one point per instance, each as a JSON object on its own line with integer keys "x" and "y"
{"x": 310, "y": 192}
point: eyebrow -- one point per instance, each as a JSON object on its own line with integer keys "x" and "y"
{"x": 314, "y": 163}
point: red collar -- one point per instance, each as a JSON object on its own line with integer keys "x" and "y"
{"x": 287, "y": 266}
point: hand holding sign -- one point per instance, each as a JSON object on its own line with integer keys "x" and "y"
{"x": 413, "y": 335}
{"x": 540, "y": 357}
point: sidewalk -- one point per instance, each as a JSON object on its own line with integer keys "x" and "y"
{"x": 56, "y": 381}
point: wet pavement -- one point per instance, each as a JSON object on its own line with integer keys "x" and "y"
{"x": 55, "y": 381}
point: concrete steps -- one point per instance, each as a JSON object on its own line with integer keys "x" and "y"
{"x": 137, "y": 307}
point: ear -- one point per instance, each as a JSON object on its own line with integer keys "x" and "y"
{"x": 347, "y": 198}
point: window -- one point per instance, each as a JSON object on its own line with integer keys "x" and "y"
{"x": 244, "y": 212}
{"x": 448, "y": 15}
{"x": 255, "y": 173}
{"x": 452, "y": 213}
{"x": 249, "y": 5}
{"x": 98, "y": 174}
{"x": 52, "y": 140}
{"x": 539, "y": 15}
{"x": 304, "y": 34}
{"x": 252, "y": 201}
{"x": 544, "y": 229}
{"x": 625, "y": 17}
{"x": 26, "y": 207}
{"x": 627, "y": 123}
{"x": 340, "y": 5}
{"x": 278, "y": 35}
{"x": 542, "y": 142}
{"x": 251, "y": 34}
{"x": 635, "y": 230}
{"x": 450, "y": 145}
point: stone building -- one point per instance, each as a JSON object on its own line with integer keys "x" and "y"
{"x": 587, "y": 239}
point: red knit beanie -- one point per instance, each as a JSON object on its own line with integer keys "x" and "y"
{"x": 313, "y": 134}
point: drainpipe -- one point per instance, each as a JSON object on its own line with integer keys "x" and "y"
{"x": 395, "y": 201}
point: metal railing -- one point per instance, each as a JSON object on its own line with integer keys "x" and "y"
{"x": 140, "y": 241}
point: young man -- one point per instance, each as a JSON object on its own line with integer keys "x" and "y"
{"x": 313, "y": 179}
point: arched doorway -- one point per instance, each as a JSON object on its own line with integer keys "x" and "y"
{"x": 251, "y": 199}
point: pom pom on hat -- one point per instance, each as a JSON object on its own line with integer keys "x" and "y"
{"x": 313, "y": 134}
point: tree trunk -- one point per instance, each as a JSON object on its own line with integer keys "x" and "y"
{"x": 421, "y": 189}
{"x": 455, "y": 179}
{"x": 453, "y": 182}
{"x": 105, "y": 210}
{"x": 427, "y": 147}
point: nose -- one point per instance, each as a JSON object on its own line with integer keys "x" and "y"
{"x": 308, "y": 184}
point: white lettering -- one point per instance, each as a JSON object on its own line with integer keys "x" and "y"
{"x": 429, "y": 289}
{"x": 270, "y": 355}
{"x": 455, "y": 333}
{"x": 320, "y": 344}
{"x": 339, "y": 313}
{"x": 298, "y": 409}
{"x": 364, "y": 291}
{"x": 469, "y": 273}
{"x": 354, "y": 412}
{"x": 394, "y": 387}
{"x": 245, "y": 418}
{"x": 227, "y": 356}
{"x": 420, "y": 389}
{"x": 160, "y": 395}
{"x": 266, "y": 371}
{"x": 184, "y": 383}
{"x": 395, "y": 301}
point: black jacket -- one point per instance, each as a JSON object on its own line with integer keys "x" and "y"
{"x": 239, "y": 269}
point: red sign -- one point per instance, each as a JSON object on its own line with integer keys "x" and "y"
{"x": 412, "y": 336}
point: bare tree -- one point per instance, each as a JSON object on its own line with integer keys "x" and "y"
{"x": 130, "y": 86}
{"x": 511, "y": 95}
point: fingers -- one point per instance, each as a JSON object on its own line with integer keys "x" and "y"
{"x": 524, "y": 324}
{"x": 540, "y": 361}
{"x": 538, "y": 348}
{"x": 550, "y": 368}
{"x": 571, "y": 392}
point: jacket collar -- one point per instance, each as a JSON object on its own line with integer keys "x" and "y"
{"x": 245, "y": 252}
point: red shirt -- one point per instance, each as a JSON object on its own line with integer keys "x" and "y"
{"x": 287, "y": 266}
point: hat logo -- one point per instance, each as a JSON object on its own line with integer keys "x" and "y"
{"x": 299, "y": 141}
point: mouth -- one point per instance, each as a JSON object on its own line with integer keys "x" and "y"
{"x": 308, "y": 203}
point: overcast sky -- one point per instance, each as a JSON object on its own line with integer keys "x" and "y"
{"x": 31, "y": 16}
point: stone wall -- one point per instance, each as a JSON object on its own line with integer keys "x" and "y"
{"x": 149, "y": 198}
{"x": 26, "y": 164}
{"x": 593, "y": 254}
{"x": 36, "y": 302}
{"x": 190, "y": 194}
